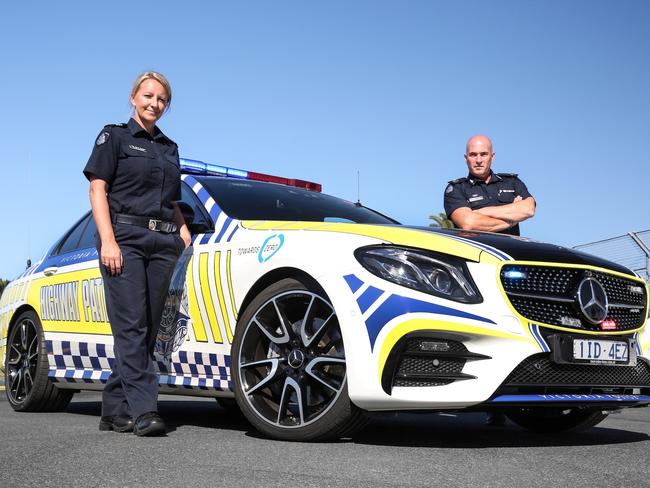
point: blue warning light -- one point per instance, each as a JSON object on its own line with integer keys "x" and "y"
{"x": 514, "y": 274}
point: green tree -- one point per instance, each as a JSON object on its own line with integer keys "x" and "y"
{"x": 3, "y": 284}
{"x": 441, "y": 220}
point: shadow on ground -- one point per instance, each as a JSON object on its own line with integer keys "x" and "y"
{"x": 178, "y": 413}
{"x": 447, "y": 430}
{"x": 468, "y": 430}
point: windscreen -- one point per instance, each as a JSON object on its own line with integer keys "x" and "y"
{"x": 257, "y": 200}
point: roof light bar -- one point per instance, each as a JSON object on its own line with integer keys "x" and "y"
{"x": 193, "y": 166}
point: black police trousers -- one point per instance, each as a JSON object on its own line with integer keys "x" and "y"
{"x": 134, "y": 301}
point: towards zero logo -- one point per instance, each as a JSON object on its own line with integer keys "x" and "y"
{"x": 271, "y": 245}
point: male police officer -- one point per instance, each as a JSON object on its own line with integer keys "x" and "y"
{"x": 489, "y": 201}
{"x": 485, "y": 200}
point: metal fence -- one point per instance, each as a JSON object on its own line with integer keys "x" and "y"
{"x": 631, "y": 250}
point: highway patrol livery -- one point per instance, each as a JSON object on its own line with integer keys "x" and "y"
{"x": 312, "y": 311}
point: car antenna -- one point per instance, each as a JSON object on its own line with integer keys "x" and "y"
{"x": 358, "y": 204}
{"x": 28, "y": 170}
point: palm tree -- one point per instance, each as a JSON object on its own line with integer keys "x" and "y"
{"x": 441, "y": 221}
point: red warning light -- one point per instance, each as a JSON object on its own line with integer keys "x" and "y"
{"x": 608, "y": 324}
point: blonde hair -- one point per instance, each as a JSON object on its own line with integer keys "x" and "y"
{"x": 159, "y": 78}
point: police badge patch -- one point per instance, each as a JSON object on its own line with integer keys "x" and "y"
{"x": 103, "y": 137}
{"x": 449, "y": 188}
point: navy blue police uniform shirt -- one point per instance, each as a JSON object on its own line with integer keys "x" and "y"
{"x": 474, "y": 193}
{"x": 142, "y": 171}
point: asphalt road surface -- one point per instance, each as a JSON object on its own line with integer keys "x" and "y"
{"x": 207, "y": 446}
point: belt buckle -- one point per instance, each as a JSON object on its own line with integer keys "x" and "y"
{"x": 153, "y": 224}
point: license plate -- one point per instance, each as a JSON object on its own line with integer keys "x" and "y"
{"x": 598, "y": 351}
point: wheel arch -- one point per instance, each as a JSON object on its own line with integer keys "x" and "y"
{"x": 17, "y": 313}
{"x": 12, "y": 322}
{"x": 14, "y": 318}
{"x": 341, "y": 417}
{"x": 43, "y": 395}
{"x": 274, "y": 276}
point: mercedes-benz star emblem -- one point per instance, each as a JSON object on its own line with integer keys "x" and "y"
{"x": 296, "y": 358}
{"x": 592, "y": 300}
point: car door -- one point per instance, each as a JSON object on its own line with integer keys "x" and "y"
{"x": 193, "y": 342}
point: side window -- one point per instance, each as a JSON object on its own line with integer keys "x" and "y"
{"x": 71, "y": 241}
{"x": 88, "y": 237}
{"x": 201, "y": 217}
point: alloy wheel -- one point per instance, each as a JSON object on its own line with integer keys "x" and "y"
{"x": 292, "y": 362}
{"x": 22, "y": 360}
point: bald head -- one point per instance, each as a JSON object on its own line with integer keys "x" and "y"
{"x": 480, "y": 140}
{"x": 479, "y": 155}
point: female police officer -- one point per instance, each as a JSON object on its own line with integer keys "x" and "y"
{"x": 134, "y": 183}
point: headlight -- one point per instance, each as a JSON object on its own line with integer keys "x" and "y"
{"x": 437, "y": 274}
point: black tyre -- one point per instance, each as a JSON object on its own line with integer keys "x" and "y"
{"x": 27, "y": 386}
{"x": 289, "y": 371}
{"x": 551, "y": 420}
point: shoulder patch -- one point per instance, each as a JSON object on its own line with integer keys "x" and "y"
{"x": 102, "y": 138}
{"x": 458, "y": 180}
{"x": 508, "y": 175}
{"x": 449, "y": 189}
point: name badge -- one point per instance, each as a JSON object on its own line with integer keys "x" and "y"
{"x": 475, "y": 199}
{"x": 141, "y": 149}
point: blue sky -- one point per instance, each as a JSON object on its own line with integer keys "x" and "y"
{"x": 321, "y": 90}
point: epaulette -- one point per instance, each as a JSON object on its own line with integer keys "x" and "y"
{"x": 458, "y": 180}
{"x": 508, "y": 175}
{"x": 116, "y": 125}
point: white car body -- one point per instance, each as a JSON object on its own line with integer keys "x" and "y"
{"x": 224, "y": 265}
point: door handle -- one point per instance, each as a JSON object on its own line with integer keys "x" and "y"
{"x": 50, "y": 271}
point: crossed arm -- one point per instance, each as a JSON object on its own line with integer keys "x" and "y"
{"x": 495, "y": 218}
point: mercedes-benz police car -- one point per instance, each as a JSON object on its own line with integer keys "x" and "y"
{"x": 312, "y": 311}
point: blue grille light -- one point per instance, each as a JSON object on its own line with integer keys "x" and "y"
{"x": 514, "y": 274}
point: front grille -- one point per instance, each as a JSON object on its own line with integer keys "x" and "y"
{"x": 626, "y": 320}
{"x": 541, "y": 279}
{"x": 539, "y": 370}
{"x": 618, "y": 289}
{"x": 541, "y": 310}
{"x": 547, "y": 294}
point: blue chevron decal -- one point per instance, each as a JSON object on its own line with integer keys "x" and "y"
{"x": 396, "y": 305}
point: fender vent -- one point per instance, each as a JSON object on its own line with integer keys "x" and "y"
{"x": 422, "y": 360}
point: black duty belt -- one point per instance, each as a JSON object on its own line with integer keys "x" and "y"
{"x": 146, "y": 222}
